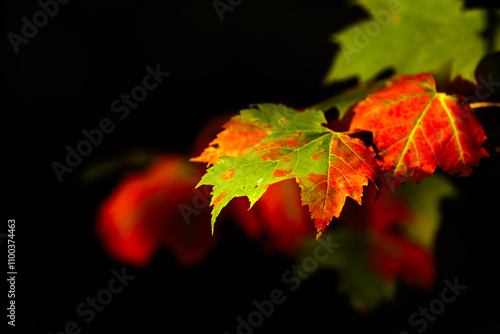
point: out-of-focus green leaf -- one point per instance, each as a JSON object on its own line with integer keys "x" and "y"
{"x": 364, "y": 286}
{"x": 412, "y": 37}
{"x": 496, "y": 38}
{"x": 424, "y": 200}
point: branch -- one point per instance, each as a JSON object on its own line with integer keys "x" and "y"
{"x": 476, "y": 105}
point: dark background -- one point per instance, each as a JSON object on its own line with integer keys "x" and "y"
{"x": 64, "y": 80}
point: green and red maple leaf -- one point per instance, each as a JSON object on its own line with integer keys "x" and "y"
{"x": 272, "y": 143}
{"x": 415, "y": 129}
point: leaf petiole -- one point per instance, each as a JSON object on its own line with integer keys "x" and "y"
{"x": 476, "y": 105}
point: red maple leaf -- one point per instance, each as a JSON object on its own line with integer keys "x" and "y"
{"x": 416, "y": 129}
{"x": 143, "y": 213}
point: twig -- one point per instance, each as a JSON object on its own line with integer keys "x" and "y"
{"x": 476, "y": 105}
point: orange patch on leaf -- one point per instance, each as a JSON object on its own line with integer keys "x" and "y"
{"x": 317, "y": 155}
{"x": 316, "y": 178}
{"x": 219, "y": 199}
{"x": 273, "y": 154}
{"x": 228, "y": 174}
{"x": 287, "y": 142}
{"x": 292, "y": 142}
{"x": 282, "y": 172}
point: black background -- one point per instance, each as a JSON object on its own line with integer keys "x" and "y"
{"x": 64, "y": 80}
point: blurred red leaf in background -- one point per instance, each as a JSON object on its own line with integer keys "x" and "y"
{"x": 278, "y": 218}
{"x": 392, "y": 253}
{"x": 143, "y": 213}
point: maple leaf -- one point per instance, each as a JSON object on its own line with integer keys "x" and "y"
{"x": 272, "y": 143}
{"x": 416, "y": 129}
{"x": 142, "y": 214}
{"x": 412, "y": 37}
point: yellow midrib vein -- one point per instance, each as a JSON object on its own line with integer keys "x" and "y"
{"x": 453, "y": 126}
{"x": 415, "y": 127}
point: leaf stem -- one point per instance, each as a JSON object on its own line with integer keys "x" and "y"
{"x": 476, "y": 105}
